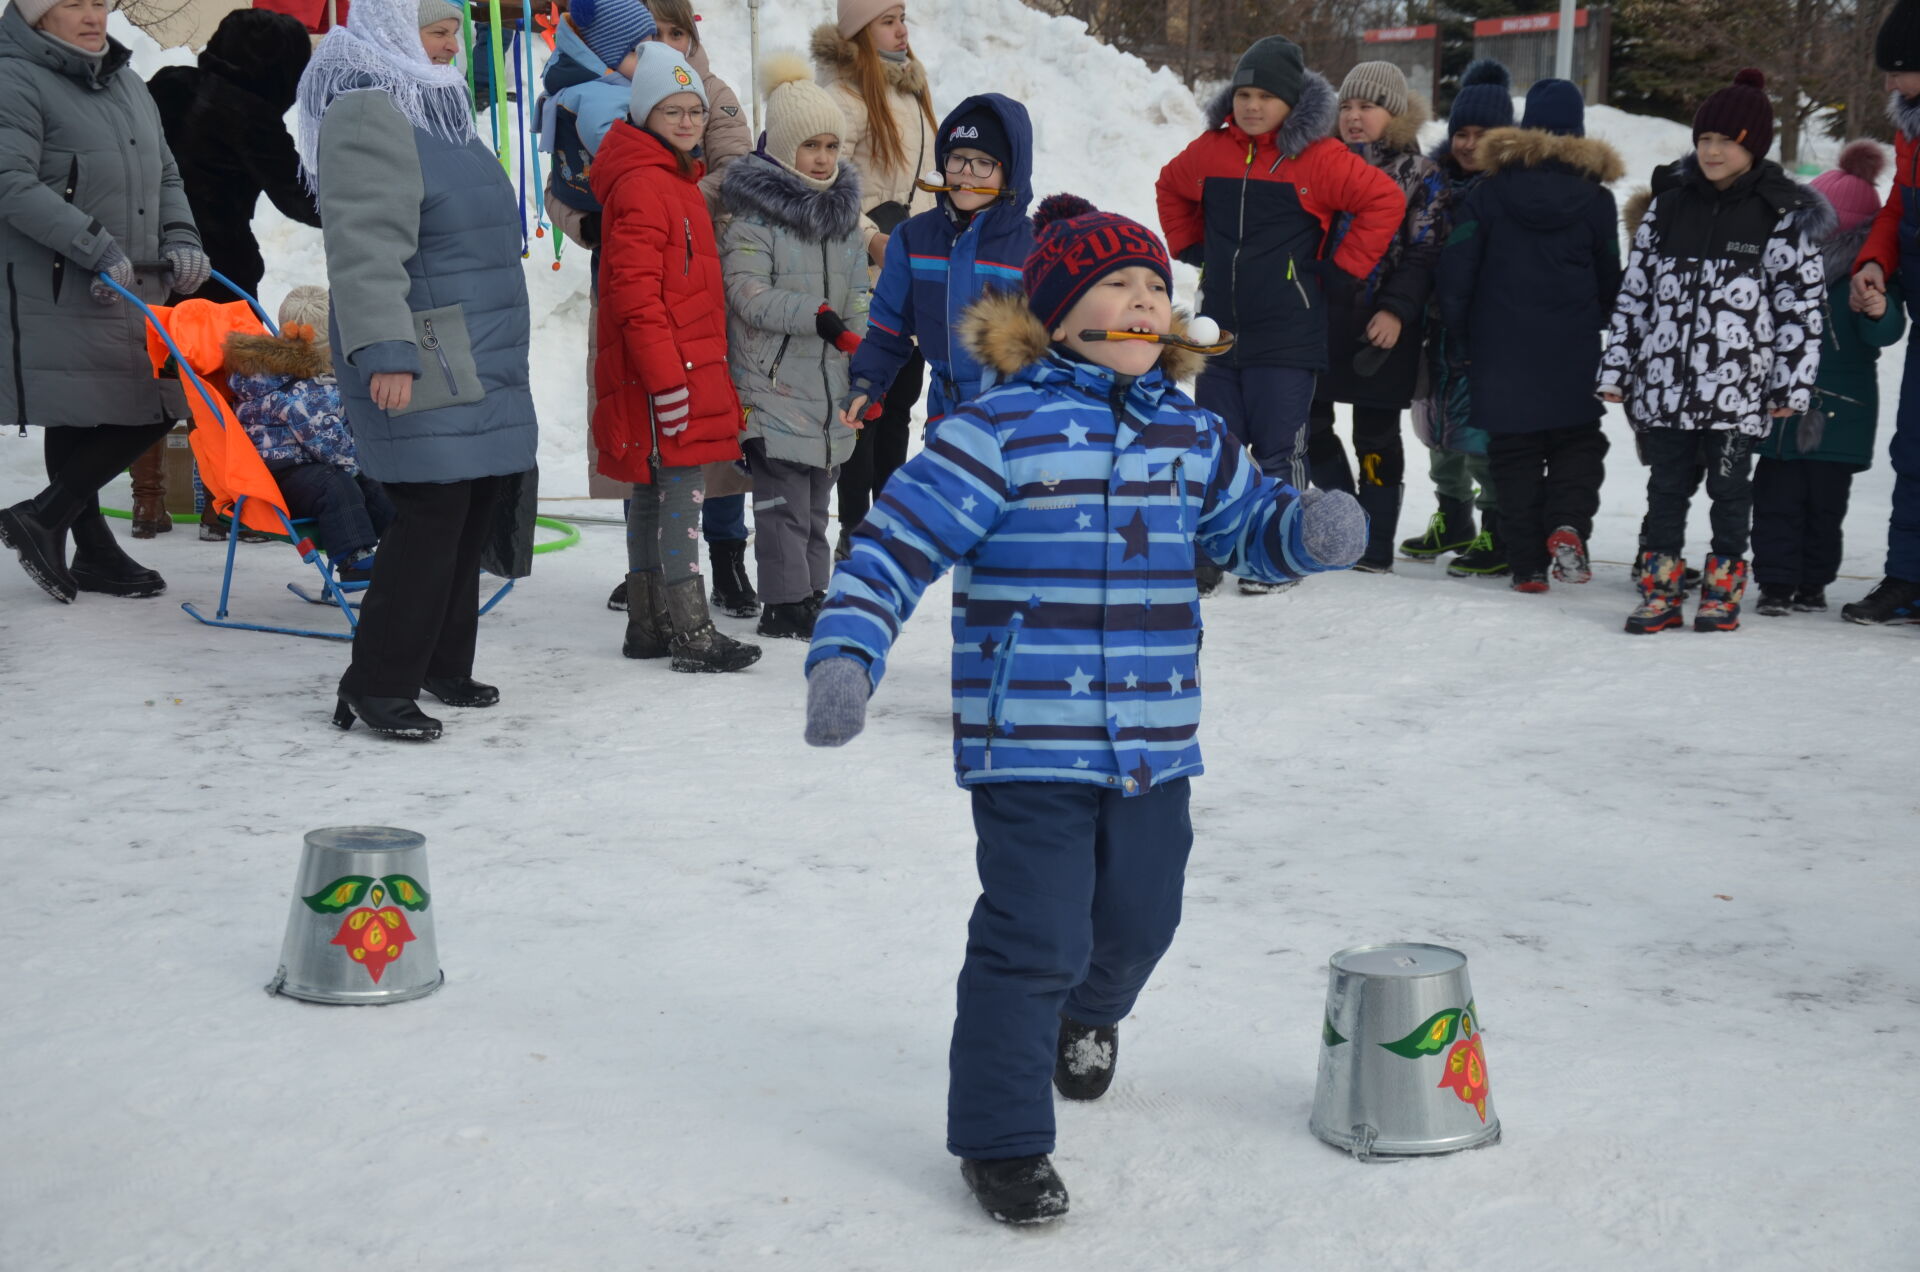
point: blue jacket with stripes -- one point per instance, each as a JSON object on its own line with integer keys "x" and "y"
{"x": 1068, "y": 502}
{"x": 938, "y": 263}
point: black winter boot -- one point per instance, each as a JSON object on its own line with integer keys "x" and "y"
{"x": 1448, "y": 530}
{"x": 392, "y": 717}
{"x": 1206, "y": 575}
{"x": 1084, "y": 1059}
{"x": 461, "y": 691}
{"x": 1486, "y": 556}
{"x": 732, "y": 589}
{"x": 694, "y": 642}
{"x": 1891, "y": 601}
{"x": 42, "y": 545}
{"x": 1776, "y": 599}
{"x": 100, "y": 566}
{"x": 1016, "y": 1189}
{"x": 1810, "y": 600}
{"x": 790, "y": 620}
{"x": 617, "y": 601}
{"x": 1382, "y": 506}
{"x": 646, "y": 616}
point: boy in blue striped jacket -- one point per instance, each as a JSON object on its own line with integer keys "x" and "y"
{"x": 1068, "y": 501}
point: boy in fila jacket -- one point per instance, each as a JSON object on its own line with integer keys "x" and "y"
{"x": 942, "y": 260}
{"x": 1069, "y": 501}
{"x": 1250, "y": 201}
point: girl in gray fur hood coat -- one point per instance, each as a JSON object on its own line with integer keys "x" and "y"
{"x": 796, "y": 281}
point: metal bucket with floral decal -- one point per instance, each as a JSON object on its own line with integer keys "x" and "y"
{"x": 1403, "y": 1069}
{"x": 360, "y": 929}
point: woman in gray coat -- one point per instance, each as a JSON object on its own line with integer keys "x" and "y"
{"x": 86, "y": 187}
{"x": 429, "y": 336}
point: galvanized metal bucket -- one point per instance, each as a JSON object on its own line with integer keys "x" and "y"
{"x": 360, "y": 929}
{"x": 1403, "y": 1070}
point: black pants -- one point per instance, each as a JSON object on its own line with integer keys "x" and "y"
{"x": 1376, "y": 440}
{"x": 352, "y": 509}
{"x": 1546, "y": 480}
{"x": 1674, "y": 458}
{"x": 881, "y": 446}
{"x": 419, "y": 616}
{"x": 1798, "y": 505}
{"x": 81, "y": 460}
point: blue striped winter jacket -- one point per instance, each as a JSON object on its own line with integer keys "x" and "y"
{"x": 1067, "y": 503}
{"x": 936, "y": 265}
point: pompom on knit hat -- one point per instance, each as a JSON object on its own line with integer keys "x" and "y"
{"x": 660, "y": 73}
{"x": 1075, "y": 245}
{"x": 1275, "y": 65}
{"x": 1850, "y": 186}
{"x": 1897, "y": 46}
{"x": 432, "y": 11}
{"x": 1556, "y": 106}
{"x": 308, "y": 306}
{"x": 854, "y": 15}
{"x": 611, "y": 28}
{"x": 1382, "y": 83}
{"x": 1485, "y": 99}
{"x": 1741, "y": 111}
{"x": 797, "y": 108}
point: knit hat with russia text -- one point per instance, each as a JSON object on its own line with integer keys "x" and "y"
{"x": 1075, "y": 245}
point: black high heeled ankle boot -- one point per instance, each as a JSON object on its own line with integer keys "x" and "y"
{"x": 99, "y": 564}
{"x": 393, "y": 717}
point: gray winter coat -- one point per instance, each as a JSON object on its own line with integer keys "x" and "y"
{"x": 788, "y": 250}
{"x": 423, "y": 255}
{"x": 83, "y": 166}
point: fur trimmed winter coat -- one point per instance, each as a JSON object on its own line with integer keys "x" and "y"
{"x": 287, "y": 399}
{"x": 1068, "y": 502}
{"x": 1254, "y": 214}
{"x": 1721, "y": 310}
{"x": 1402, "y": 281}
{"x": 787, "y": 250}
{"x": 663, "y": 313}
{"x": 1528, "y": 277}
{"x": 836, "y": 60}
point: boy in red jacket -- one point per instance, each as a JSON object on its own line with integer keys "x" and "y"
{"x": 1250, "y": 202}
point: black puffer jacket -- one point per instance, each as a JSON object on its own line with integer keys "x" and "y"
{"x": 223, "y": 124}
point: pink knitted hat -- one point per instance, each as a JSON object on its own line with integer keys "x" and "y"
{"x": 1849, "y": 187}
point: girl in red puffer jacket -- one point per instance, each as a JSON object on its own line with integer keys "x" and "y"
{"x": 666, "y": 401}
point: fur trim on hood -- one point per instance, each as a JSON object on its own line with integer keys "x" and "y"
{"x": 760, "y": 186}
{"x": 1313, "y": 117}
{"x": 1530, "y": 147}
{"x": 1904, "y": 114}
{"x": 1402, "y": 135}
{"x": 1004, "y": 333}
{"x": 302, "y": 359}
{"x": 834, "y": 53}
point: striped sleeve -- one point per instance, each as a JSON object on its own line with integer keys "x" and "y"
{"x": 935, "y": 510}
{"x": 1249, "y": 522}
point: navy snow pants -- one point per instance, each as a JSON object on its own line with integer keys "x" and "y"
{"x": 1266, "y": 409}
{"x": 1080, "y": 896}
{"x": 1903, "y": 529}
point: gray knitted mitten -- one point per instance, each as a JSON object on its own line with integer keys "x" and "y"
{"x": 837, "y": 692}
{"x": 1333, "y": 529}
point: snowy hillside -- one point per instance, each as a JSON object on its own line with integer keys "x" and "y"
{"x": 700, "y": 977}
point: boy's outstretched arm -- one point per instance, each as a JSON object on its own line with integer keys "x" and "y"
{"x": 1262, "y": 528}
{"x": 936, "y": 509}
{"x": 889, "y": 339}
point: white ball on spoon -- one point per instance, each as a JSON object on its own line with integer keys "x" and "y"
{"x": 1203, "y": 331}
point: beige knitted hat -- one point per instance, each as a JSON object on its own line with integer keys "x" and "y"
{"x": 1381, "y": 83}
{"x": 797, "y": 108}
{"x": 306, "y": 304}
{"x": 34, "y": 10}
{"x": 855, "y": 14}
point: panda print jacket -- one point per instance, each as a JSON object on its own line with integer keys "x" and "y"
{"x": 1723, "y": 304}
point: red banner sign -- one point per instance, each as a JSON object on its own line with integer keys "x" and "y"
{"x": 1526, "y": 24}
{"x": 1399, "y": 35}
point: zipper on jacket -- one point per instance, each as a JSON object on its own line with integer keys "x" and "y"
{"x": 826, "y": 386}
{"x": 773, "y": 372}
{"x": 1293, "y": 277}
{"x": 1180, "y": 488}
{"x": 432, "y": 342}
{"x": 19, "y": 370}
{"x": 997, "y": 687}
{"x": 59, "y": 261}
{"x": 686, "y": 224}
{"x": 1240, "y": 237}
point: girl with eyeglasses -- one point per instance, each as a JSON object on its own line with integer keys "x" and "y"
{"x": 666, "y": 403}
{"x": 975, "y": 240}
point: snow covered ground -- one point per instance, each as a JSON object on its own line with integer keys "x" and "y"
{"x": 699, "y": 976}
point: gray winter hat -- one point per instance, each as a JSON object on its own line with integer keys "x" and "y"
{"x": 661, "y": 72}
{"x": 432, "y": 11}
{"x": 1382, "y": 83}
{"x": 1274, "y": 64}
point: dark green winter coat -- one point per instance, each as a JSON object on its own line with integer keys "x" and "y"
{"x": 1847, "y": 391}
